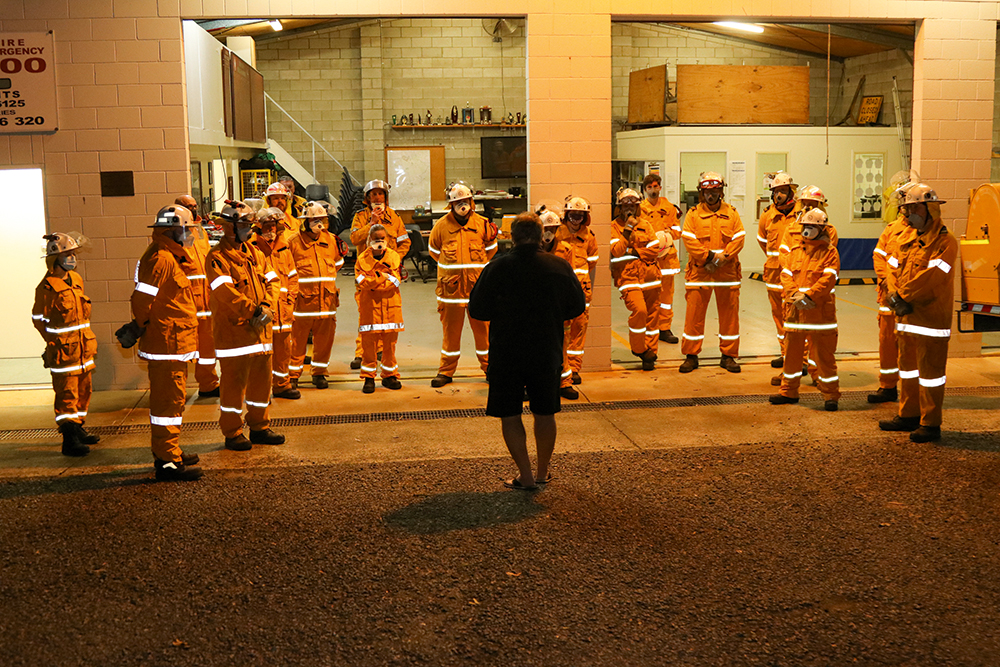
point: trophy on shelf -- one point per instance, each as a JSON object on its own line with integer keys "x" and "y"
{"x": 454, "y": 114}
{"x": 510, "y": 118}
{"x": 428, "y": 116}
{"x": 394, "y": 119}
{"x": 467, "y": 117}
{"x": 518, "y": 118}
{"x": 402, "y": 119}
{"x": 485, "y": 116}
{"x": 411, "y": 119}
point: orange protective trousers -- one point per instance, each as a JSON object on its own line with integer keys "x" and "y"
{"x": 452, "y": 318}
{"x": 667, "y": 301}
{"x": 371, "y": 343}
{"x": 167, "y": 395}
{"x": 246, "y": 378}
{"x": 72, "y": 396}
{"x": 888, "y": 351}
{"x": 643, "y": 320}
{"x": 922, "y": 364}
{"x": 280, "y": 358}
{"x": 575, "y": 335}
{"x": 358, "y": 350}
{"x": 204, "y": 370}
{"x": 727, "y": 301}
{"x": 323, "y": 330}
{"x": 822, "y": 345}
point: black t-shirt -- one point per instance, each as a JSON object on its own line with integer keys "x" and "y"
{"x": 526, "y": 295}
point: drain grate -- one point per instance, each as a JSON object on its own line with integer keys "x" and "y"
{"x": 433, "y": 415}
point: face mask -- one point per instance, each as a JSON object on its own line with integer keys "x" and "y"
{"x": 781, "y": 199}
{"x": 242, "y": 234}
{"x": 809, "y": 232}
{"x": 712, "y": 198}
{"x": 67, "y": 263}
{"x": 575, "y": 220}
{"x": 629, "y": 209}
{"x": 916, "y": 220}
{"x": 316, "y": 226}
{"x": 653, "y": 193}
{"x": 183, "y": 237}
{"x": 548, "y": 236}
{"x": 462, "y": 209}
{"x": 269, "y": 234}
{"x": 377, "y": 245}
{"x": 378, "y": 208}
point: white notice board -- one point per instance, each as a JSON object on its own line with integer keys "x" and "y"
{"x": 409, "y": 175}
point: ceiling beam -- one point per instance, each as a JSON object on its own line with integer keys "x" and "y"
{"x": 309, "y": 29}
{"x": 220, "y": 24}
{"x": 753, "y": 42}
{"x": 860, "y": 33}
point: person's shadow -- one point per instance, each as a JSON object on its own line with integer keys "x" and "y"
{"x": 463, "y": 511}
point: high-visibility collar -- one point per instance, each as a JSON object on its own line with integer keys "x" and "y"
{"x": 725, "y": 211}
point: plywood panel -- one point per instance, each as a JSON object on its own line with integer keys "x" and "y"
{"x": 647, "y": 95}
{"x": 742, "y": 95}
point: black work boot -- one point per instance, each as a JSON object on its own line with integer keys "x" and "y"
{"x": 576, "y": 378}
{"x": 211, "y": 393}
{"x": 831, "y": 406}
{"x": 320, "y": 382}
{"x": 294, "y": 382}
{"x": 392, "y": 383}
{"x": 238, "y": 444}
{"x": 266, "y": 437}
{"x": 289, "y": 393}
{"x": 781, "y": 399}
{"x": 71, "y": 445}
{"x": 85, "y": 437}
{"x": 730, "y": 364}
{"x": 440, "y": 380}
{"x": 167, "y": 471}
{"x": 898, "y": 423}
{"x": 569, "y": 392}
{"x": 190, "y": 459}
{"x": 690, "y": 363}
{"x": 648, "y": 360}
{"x": 667, "y": 336}
{"x": 884, "y": 395}
{"x": 778, "y": 363}
{"x": 356, "y": 364}
{"x": 926, "y": 434}
{"x": 369, "y": 387}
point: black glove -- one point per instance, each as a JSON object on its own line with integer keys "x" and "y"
{"x": 261, "y": 317}
{"x": 129, "y": 334}
{"x": 899, "y": 306}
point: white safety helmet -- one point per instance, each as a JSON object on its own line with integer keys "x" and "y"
{"x": 458, "y": 191}
{"x": 314, "y": 209}
{"x": 377, "y": 185}
{"x": 815, "y": 217}
{"x": 57, "y": 243}
{"x": 577, "y": 204}
{"x": 270, "y": 215}
{"x": 625, "y": 194}
{"x": 547, "y": 212}
{"x": 275, "y": 189}
{"x": 237, "y": 211}
{"x": 921, "y": 193}
{"x": 812, "y": 193}
{"x": 174, "y": 215}
{"x": 710, "y": 179}
{"x": 781, "y": 179}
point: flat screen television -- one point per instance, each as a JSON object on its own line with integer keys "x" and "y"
{"x": 504, "y": 157}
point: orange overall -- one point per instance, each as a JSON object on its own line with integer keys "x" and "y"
{"x": 281, "y": 265}
{"x": 61, "y": 314}
{"x": 163, "y": 304}
{"x": 885, "y": 261}
{"x": 395, "y": 236}
{"x": 705, "y": 232}
{"x": 204, "y": 371}
{"x": 580, "y": 250}
{"x": 380, "y": 318}
{"x": 811, "y": 270}
{"x": 925, "y": 279}
{"x": 316, "y": 263}
{"x": 663, "y": 215}
{"x": 461, "y": 253}
{"x": 237, "y": 275}
{"x": 770, "y": 232}
{"x": 637, "y": 276}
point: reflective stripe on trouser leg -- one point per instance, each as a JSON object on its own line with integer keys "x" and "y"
{"x": 244, "y": 379}
{"x": 822, "y": 346}
{"x": 167, "y": 395}
{"x": 643, "y": 306}
{"x": 481, "y": 335}
{"x": 301, "y": 327}
{"x": 357, "y": 342}
{"x": 324, "y": 331}
{"x": 72, "y": 396}
{"x": 921, "y": 358}
{"x": 727, "y": 303}
{"x": 791, "y": 373}
{"x": 666, "y": 299}
{"x": 258, "y": 393}
{"x": 452, "y": 319}
{"x": 282, "y": 346}
{"x": 888, "y": 351}
{"x": 566, "y": 379}
{"x": 205, "y": 374}
{"x": 697, "y": 299}
{"x": 371, "y": 342}
{"x": 577, "y": 335}
{"x": 778, "y": 315}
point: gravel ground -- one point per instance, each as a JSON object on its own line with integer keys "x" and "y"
{"x": 831, "y": 553}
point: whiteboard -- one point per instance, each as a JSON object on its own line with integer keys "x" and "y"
{"x": 409, "y": 174}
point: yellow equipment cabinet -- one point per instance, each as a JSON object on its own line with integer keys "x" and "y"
{"x": 980, "y": 256}
{"x": 253, "y": 182}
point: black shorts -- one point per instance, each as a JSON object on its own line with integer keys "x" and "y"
{"x": 508, "y": 384}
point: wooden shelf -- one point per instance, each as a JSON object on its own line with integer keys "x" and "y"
{"x": 492, "y": 126}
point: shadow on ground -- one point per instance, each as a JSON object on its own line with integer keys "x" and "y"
{"x": 463, "y": 511}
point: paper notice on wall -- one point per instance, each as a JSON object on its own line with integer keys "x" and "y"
{"x": 670, "y": 185}
{"x": 738, "y": 178}
{"x": 410, "y": 178}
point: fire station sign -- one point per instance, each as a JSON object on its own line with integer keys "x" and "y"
{"x": 27, "y": 83}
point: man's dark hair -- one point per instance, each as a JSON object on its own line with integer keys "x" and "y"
{"x": 526, "y": 229}
{"x": 650, "y": 179}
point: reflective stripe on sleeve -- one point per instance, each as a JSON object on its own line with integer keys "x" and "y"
{"x": 453, "y": 301}
{"x": 168, "y": 357}
{"x": 78, "y": 327}
{"x": 594, "y": 258}
{"x": 829, "y": 270}
{"x": 400, "y": 239}
{"x": 198, "y": 276}
{"x": 690, "y": 235}
{"x": 669, "y": 272}
{"x": 221, "y": 280}
{"x": 271, "y": 275}
{"x": 146, "y": 288}
{"x": 762, "y": 240}
{"x": 739, "y": 235}
{"x": 318, "y": 313}
{"x": 491, "y": 247}
{"x": 461, "y": 266}
{"x": 393, "y": 280}
{"x": 623, "y": 258}
{"x": 881, "y": 252}
{"x": 941, "y": 264}
{"x": 893, "y": 262}
{"x": 318, "y": 279}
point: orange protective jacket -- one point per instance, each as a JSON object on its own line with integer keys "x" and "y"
{"x": 236, "y": 276}
{"x": 579, "y": 249}
{"x": 926, "y": 279}
{"x": 163, "y": 302}
{"x": 396, "y": 236}
{"x": 663, "y": 215}
{"x": 195, "y": 270}
{"x": 793, "y": 234}
{"x": 770, "y": 232}
{"x": 316, "y": 264}
{"x": 61, "y": 314}
{"x": 281, "y": 265}
{"x": 706, "y": 231}
{"x": 634, "y": 260}
{"x": 381, "y": 306}
{"x": 461, "y": 253}
{"x": 885, "y": 259}
{"x": 811, "y": 269}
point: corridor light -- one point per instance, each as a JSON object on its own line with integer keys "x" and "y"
{"x": 276, "y": 24}
{"x": 745, "y": 27}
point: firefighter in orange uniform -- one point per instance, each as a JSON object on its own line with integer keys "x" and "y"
{"x": 809, "y": 278}
{"x": 575, "y": 236}
{"x": 277, "y": 196}
{"x": 921, "y": 294}
{"x": 166, "y": 326}
{"x": 635, "y": 253}
{"x": 376, "y": 211}
{"x": 270, "y": 240}
{"x": 462, "y": 242}
{"x": 885, "y": 262}
{"x": 296, "y": 204}
{"x": 663, "y": 215}
{"x": 714, "y": 236}
{"x": 380, "y": 318}
{"x": 317, "y": 260}
{"x": 204, "y": 370}
{"x": 61, "y": 314}
{"x": 550, "y": 217}
{"x": 241, "y": 300}
{"x": 770, "y": 231}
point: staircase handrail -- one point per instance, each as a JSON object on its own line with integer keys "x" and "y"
{"x": 314, "y": 140}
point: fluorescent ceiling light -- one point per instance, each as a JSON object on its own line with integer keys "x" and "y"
{"x": 276, "y": 24}
{"x": 745, "y": 27}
